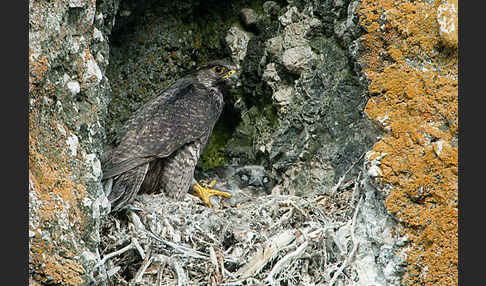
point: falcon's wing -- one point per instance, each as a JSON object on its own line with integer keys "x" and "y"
{"x": 183, "y": 113}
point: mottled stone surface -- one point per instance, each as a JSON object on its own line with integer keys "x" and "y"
{"x": 68, "y": 91}
{"x": 409, "y": 55}
{"x": 309, "y": 104}
{"x": 447, "y": 18}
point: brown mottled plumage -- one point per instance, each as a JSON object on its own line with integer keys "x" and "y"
{"x": 161, "y": 142}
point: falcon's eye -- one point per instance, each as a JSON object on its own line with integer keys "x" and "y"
{"x": 219, "y": 69}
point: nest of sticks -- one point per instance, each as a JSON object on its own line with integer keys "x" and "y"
{"x": 266, "y": 240}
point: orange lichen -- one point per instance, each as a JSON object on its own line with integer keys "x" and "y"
{"x": 37, "y": 69}
{"x": 50, "y": 174}
{"x": 56, "y": 187}
{"x": 413, "y": 77}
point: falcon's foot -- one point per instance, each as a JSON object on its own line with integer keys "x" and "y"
{"x": 205, "y": 192}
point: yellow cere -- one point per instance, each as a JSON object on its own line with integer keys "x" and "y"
{"x": 230, "y": 73}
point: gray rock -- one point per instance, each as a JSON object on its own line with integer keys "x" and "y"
{"x": 295, "y": 34}
{"x": 274, "y": 46}
{"x": 271, "y": 8}
{"x": 237, "y": 40}
{"x": 380, "y": 259}
{"x": 249, "y": 17}
{"x": 76, "y": 3}
{"x": 289, "y": 16}
{"x": 298, "y": 59}
{"x": 283, "y": 95}
{"x": 73, "y": 87}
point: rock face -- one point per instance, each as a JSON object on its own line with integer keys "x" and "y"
{"x": 68, "y": 95}
{"x": 414, "y": 86}
{"x": 348, "y": 108}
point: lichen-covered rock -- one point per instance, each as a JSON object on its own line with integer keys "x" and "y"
{"x": 314, "y": 103}
{"x": 447, "y": 18}
{"x": 67, "y": 105}
{"x": 409, "y": 56}
{"x": 237, "y": 40}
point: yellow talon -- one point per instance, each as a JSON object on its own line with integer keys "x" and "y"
{"x": 205, "y": 192}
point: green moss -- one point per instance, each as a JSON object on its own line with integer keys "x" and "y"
{"x": 214, "y": 155}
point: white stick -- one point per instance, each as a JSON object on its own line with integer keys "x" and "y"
{"x": 138, "y": 247}
{"x": 162, "y": 260}
{"x": 284, "y": 261}
{"x": 355, "y": 247}
{"x": 146, "y": 263}
{"x": 115, "y": 253}
{"x": 181, "y": 275}
{"x": 188, "y": 251}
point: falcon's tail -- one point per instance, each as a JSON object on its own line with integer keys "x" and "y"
{"x": 125, "y": 187}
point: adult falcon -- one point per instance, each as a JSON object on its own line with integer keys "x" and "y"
{"x": 161, "y": 142}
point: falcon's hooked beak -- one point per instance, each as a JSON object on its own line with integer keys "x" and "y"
{"x": 232, "y": 73}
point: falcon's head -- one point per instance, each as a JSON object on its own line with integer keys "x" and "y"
{"x": 218, "y": 73}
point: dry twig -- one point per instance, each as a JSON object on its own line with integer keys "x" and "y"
{"x": 162, "y": 260}
{"x": 181, "y": 275}
{"x": 146, "y": 263}
{"x": 265, "y": 253}
{"x": 284, "y": 261}
{"x": 130, "y": 246}
{"x": 185, "y": 250}
{"x": 355, "y": 246}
